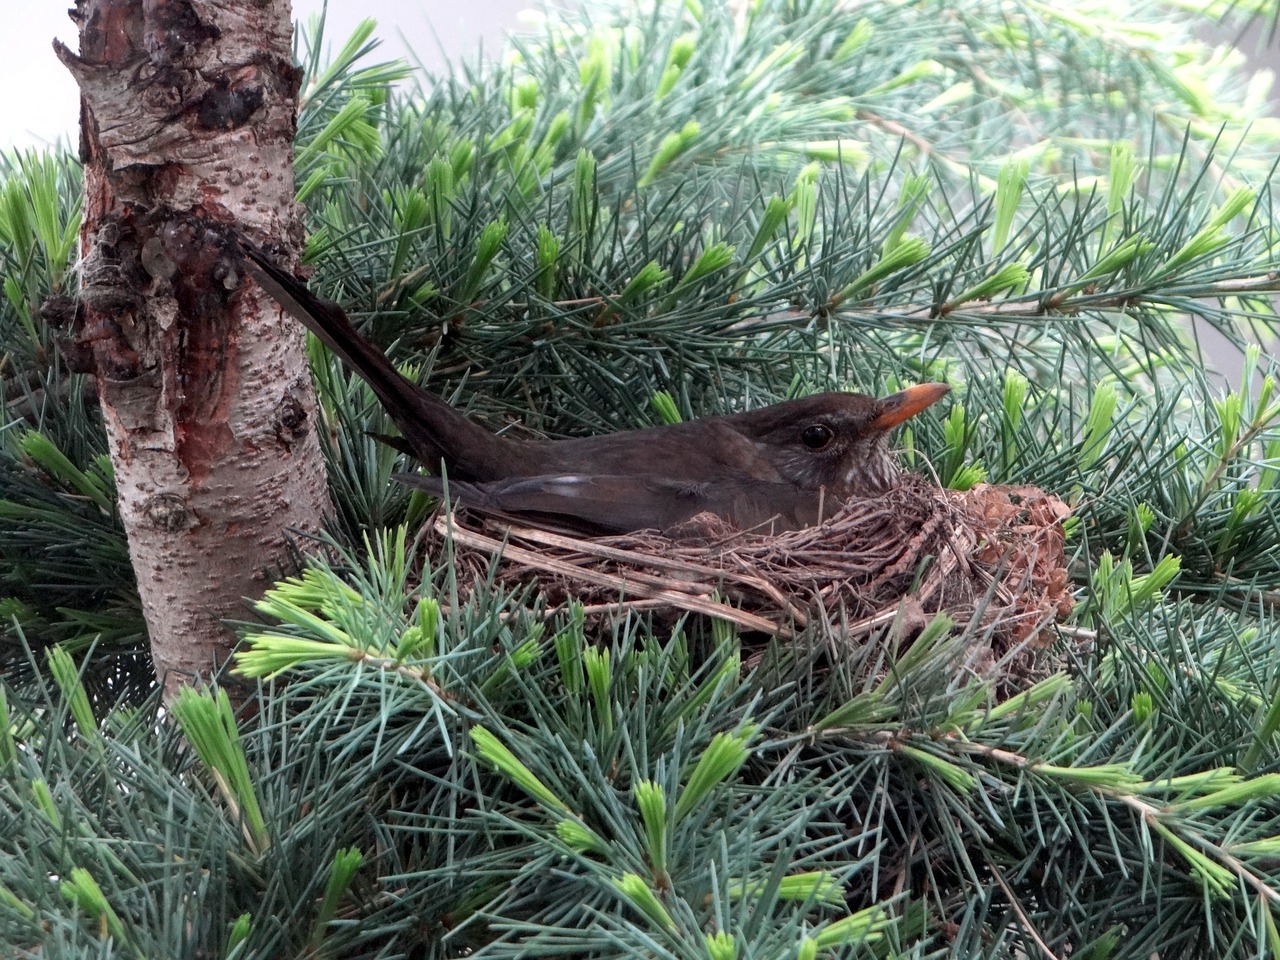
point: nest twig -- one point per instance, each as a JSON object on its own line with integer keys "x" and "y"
{"x": 992, "y": 554}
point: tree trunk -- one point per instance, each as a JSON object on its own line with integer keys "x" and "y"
{"x": 187, "y": 125}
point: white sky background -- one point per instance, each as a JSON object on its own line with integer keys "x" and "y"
{"x": 39, "y": 105}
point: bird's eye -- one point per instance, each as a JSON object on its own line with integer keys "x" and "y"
{"x": 816, "y": 436}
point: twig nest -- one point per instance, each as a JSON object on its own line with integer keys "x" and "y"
{"x": 990, "y": 557}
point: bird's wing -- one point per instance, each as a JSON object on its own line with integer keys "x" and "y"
{"x": 592, "y": 504}
{"x": 619, "y": 504}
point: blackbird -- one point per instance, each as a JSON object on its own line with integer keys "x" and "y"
{"x": 782, "y": 467}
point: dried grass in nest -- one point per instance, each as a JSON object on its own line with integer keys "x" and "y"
{"x": 990, "y": 557}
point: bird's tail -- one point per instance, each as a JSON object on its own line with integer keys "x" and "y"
{"x": 434, "y": 431}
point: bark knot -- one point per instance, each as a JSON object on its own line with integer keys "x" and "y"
{"x": 169, "y": 512}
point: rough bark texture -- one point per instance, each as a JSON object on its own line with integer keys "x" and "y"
{"x": 187, "y": 124}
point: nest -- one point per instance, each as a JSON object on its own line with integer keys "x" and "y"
{"x": 990, "y": 557}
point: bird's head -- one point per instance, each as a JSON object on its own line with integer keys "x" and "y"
{"x": 837, "y": 440}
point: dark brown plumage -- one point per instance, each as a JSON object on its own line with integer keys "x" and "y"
{"x": 787, "y": 465}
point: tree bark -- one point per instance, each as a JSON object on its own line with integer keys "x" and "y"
{"x": 187, "y": 126}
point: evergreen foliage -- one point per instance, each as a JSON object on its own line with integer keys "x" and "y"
{"x": 1045, "y": 205}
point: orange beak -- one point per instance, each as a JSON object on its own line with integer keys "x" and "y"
{"x": 907, "y": 403}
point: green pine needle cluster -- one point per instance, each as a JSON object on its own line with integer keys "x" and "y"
{"x": 642, "y": 215}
